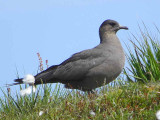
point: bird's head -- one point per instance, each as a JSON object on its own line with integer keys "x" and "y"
{"x": 111, "y": 26}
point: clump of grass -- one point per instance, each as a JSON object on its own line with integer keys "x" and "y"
{"x": 125, "y": 101}
{"x": 144, "y": 60}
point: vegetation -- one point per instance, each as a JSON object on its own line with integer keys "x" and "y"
{"x": 121, "y": 102}
{"x": 135, "y": 98}
{"x": 144, "y": 61}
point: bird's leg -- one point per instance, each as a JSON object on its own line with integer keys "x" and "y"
{"x": 92, "y": 95}
{"x": 91, "y": 92}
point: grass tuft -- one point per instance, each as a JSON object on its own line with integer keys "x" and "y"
{"x": 144, "y": 59}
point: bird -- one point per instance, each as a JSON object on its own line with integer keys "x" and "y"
{"x": 91, "y": 68}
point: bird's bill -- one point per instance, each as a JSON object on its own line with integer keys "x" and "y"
{"x": 123, "y": 27}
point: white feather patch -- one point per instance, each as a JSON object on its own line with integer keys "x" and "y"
{"x": 29, "y": 79}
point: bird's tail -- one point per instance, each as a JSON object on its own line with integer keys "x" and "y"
{"x": 41, "y": 78}
{"x": 17, "y": 82}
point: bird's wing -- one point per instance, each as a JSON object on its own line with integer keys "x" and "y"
{"x": 78, "y": 65}
{"x": 45, "y": 75}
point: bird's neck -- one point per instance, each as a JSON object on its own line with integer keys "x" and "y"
{"x": 108, "y": 37}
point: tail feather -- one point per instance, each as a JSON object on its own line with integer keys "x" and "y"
{"x": 43, "y": 77}
{"x": 18, "y": 81}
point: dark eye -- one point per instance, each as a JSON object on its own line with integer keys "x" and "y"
{"x": 112, "y": 24}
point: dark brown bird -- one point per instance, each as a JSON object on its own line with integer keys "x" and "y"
{"x": 90, "y": 68}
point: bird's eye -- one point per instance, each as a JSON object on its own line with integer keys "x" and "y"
{"x": 112, "y": 24}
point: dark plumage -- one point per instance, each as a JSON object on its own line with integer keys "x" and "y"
{"x": 90, "y": 68}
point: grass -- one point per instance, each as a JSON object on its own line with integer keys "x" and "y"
{"x": 144, "y": 60}
{"x": 119, "y": 102}
{"x": 135, "y": 98}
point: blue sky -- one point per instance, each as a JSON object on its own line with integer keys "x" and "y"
{"x": 58, "y": 28}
